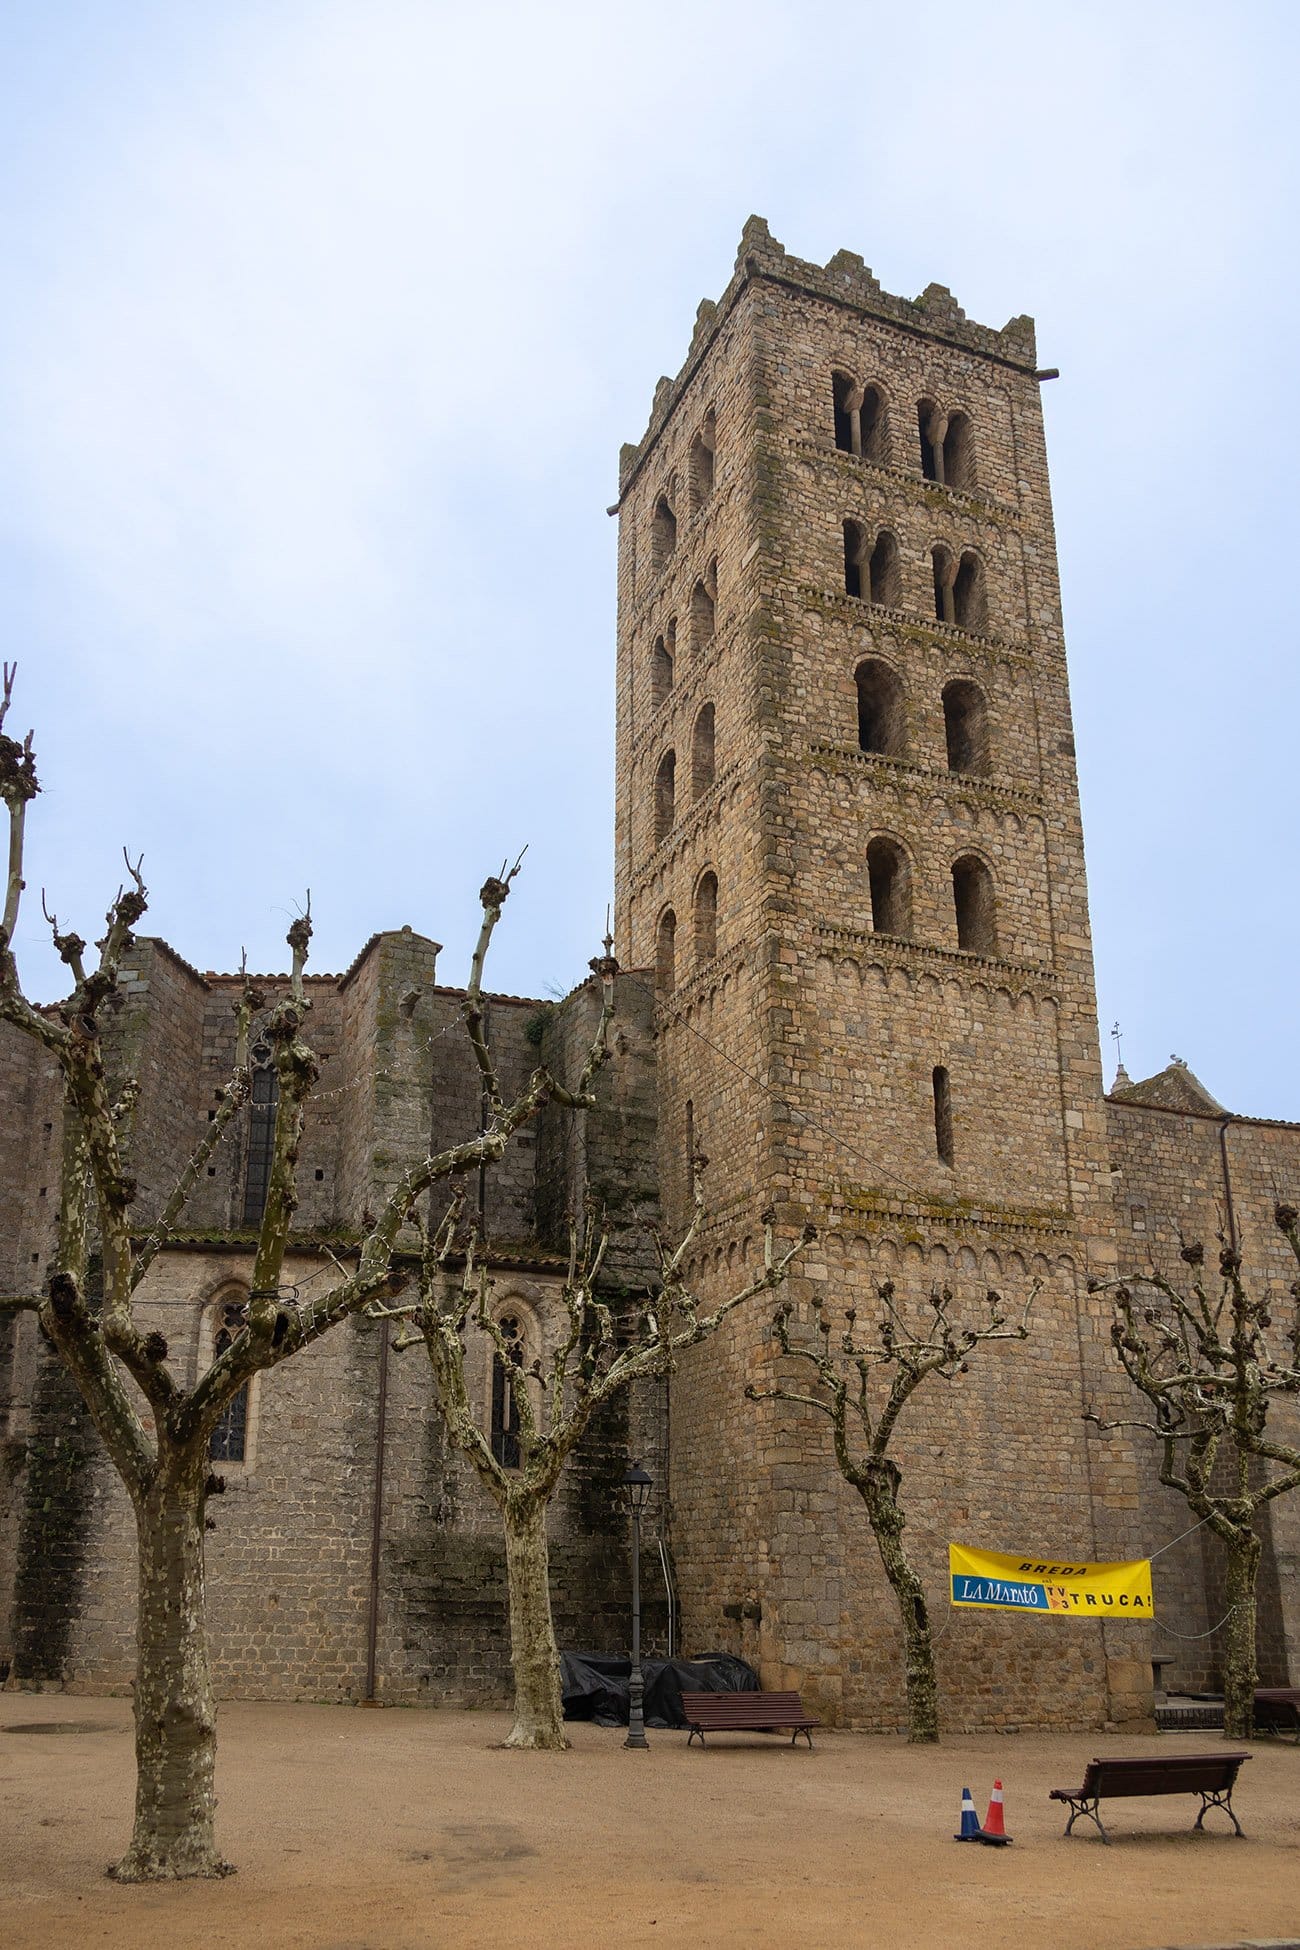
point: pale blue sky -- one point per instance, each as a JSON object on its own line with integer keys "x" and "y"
{"x": 325, "y": 323}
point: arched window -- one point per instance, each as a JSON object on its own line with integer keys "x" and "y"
{"x": 665, "y": 796}
{"x": 970, "y": 606}
{"x": 704, "y": 608}
{"x": 663, "y": 531}
{"x": 662, "y": 658}
{"x": 702, "y": 461}
{"x": 666, "y": 953}
{"x": 702, "y": 749}
{"x": 891, "y": 889}
{"x": 959, "y": 454}
{"x": 930, "y": 425}
{"x": 973, "y": 899}
{"x": 856, "y": 559}
{"x": 844, "y": 389}
{"x": 861, "y": 423}
{"x": 261, "y": 1135}
{"x": 875, "y": 426}
{"x": 706, "y": 917}
{"x": 965, "y": 723}
{"x": 505, "y": 1409}
{"x": 229, "y": 1439}
{"x": 945, "y": 574}
{"x": 942, "y": 1114}
{"x": 884, "y": 578}
{"x": 882, "y": 726}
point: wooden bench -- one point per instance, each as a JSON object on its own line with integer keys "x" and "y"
{"x": 1277, "y": 1710}
{"x": 746, "y": 1713}
{"x": 1209, "y": 1775}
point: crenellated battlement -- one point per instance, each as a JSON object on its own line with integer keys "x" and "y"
{"x": 843, "y": 280}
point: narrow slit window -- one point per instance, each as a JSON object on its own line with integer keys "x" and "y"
{"x": 666, "y": 953}
{"x": 665, "y": 797}
{"x": 943, "y": 1115}
{"x": 706, "y": 918}
{"x": 702, "y": 752}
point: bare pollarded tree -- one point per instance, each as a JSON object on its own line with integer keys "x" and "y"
{"x": 862, "y": 1387}
{"x": 599, "y": 1351}
{"x": 1210, "y": 1364}
{"x": 157, "y": 1432}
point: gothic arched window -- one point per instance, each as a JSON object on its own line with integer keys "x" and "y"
{"x": 229, "y": 1439}
{"x": 505, "y": 1410}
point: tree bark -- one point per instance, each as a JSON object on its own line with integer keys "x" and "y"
{"x": 1239, "y": 1669}
{"x": 175, "y": 1713}
{"x": 533, "y": 1654}
{"x": 922, "y": 1686}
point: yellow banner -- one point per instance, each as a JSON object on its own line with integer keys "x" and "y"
{"x": 996, "y": 1581}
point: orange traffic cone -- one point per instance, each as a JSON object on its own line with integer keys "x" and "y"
{"x": 994, "y": 1830}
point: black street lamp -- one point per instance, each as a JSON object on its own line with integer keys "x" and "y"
{"x": 636, "y": 1487}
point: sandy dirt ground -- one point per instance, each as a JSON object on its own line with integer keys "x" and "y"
{"x": 401, "y": 1830}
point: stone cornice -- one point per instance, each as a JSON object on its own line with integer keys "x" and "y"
{"x": 855, "y": 469}
{"x": 908, "y": 774}
{"x": 1022, "y": 978}
{"x": 686, "y": 829}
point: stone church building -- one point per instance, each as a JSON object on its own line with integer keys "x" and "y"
{"x": 853, "y": 920}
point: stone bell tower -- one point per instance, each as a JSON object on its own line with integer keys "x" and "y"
{"x": 849, "y": 848}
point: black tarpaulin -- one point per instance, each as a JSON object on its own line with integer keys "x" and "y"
{"x": 594, "y": 1685}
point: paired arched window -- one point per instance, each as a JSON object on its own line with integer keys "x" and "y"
{"x": 890, "y": 879}
{"x": 959, "y": 591}
{"x": 882, "y": 725}
{"x": 702, "y": 461}
{"x": 663, "y": 531}
{"x": 229, "y": 1439}
{"x": 666, "y": 953}
{"x": 947, "y": 446}
{"x": 704, "y": 608}
{"x": 958, "y": 454}
{"x": 504, "y": 1433}
{"x": 965, "y": 724}
{"x": 705, "y": 917}
{"x": 662, "y": 659}
{"x": 665, "y": 796}
{"x": 861, "y": 421}
{"x": 942, "y": 1087}
{"x": 871, "y": 569}
{"x": 702, "y": 752}
{"x": 975, "y": 904}
{"x": 264, "y": 1097}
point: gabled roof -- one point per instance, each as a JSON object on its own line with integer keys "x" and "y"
{"x": 1173, "y": 1088}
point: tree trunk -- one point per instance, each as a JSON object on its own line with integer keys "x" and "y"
{"x": 922, "y": 1686}
{"x": 1239, "y": 1670}
{"x": 538, "y": 1715}
{"x": 175, "y": 1714}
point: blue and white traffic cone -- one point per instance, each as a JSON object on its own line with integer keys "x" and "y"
{"x": 970, "y": 1826}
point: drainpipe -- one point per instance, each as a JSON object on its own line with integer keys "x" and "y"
{"x": 377, "y": 1519}
{"x": 1227, "y": 1184}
